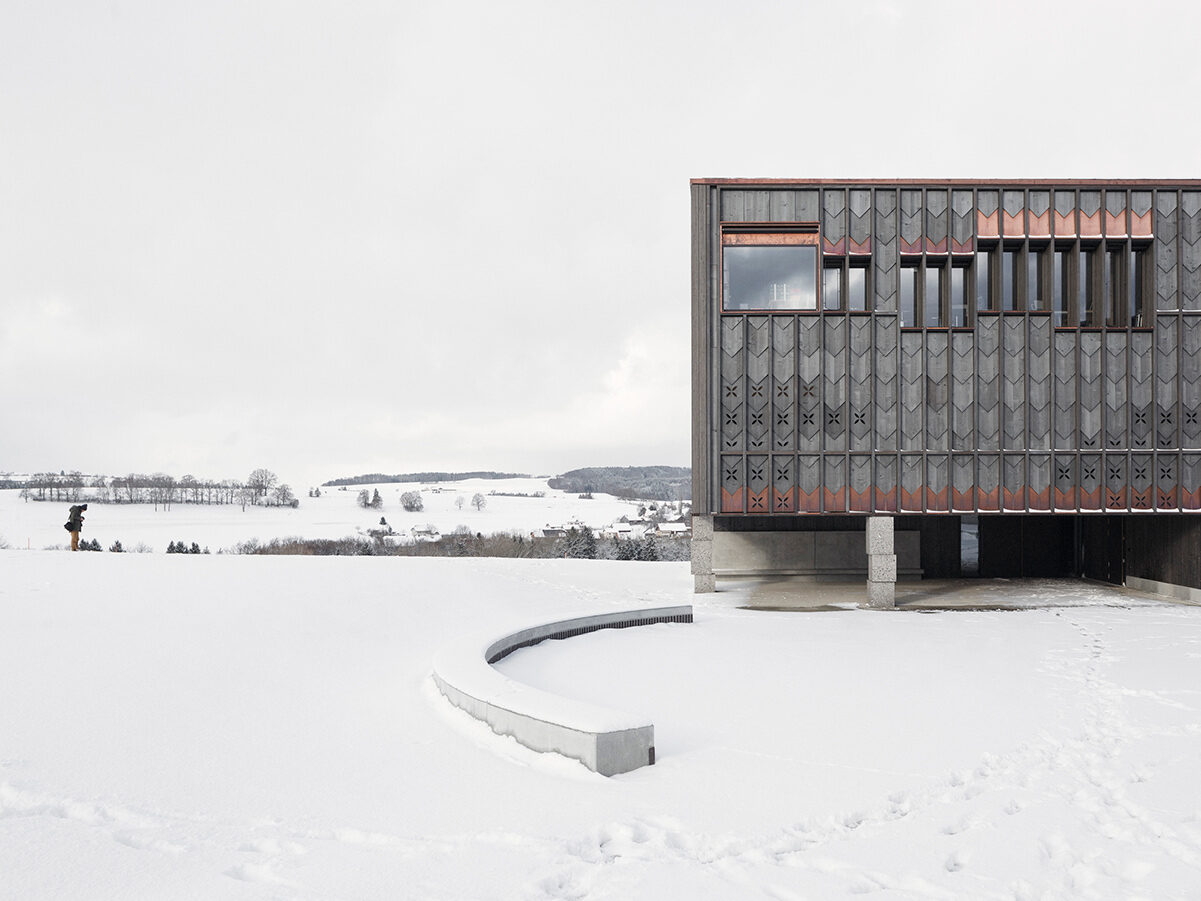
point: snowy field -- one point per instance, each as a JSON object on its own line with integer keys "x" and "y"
{"x": 181, "y": 727}
{"x": 336, "y": 514}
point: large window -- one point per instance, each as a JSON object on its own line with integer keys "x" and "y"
{"x": 764, "y": 270}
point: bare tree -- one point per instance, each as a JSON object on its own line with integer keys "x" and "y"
{"x": 479, "y": 501}
{"x": 282, "y": 496}
{"x": 412, "y": 502}
{"x": 262, "y": 480}
{"x": 460, "y": 501}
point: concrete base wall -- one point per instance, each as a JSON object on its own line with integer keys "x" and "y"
{"x": 834, "y": 554}
{"x": 1167, "y": 589}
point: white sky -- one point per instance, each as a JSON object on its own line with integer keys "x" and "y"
{"x": 332, "y": 238}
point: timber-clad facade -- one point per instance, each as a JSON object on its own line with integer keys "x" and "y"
{"x": 945, "y": 348}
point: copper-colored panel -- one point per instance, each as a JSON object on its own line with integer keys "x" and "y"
{"x": 837, "y": 248}
{"x": 963, "y": 500}
{"x": 939, "y": 247}
{"x": 1166, "y": 500}
{"x": 733, "y": 239}
{"x": 1016, "y": 499}
{"x": 1140, "y": 500}
{"x": 1115, "y": 500}
{"x": 914, "y": 247}
{"x": 1115, "y": 224}
{"x": 1040, "y": 500}
{"x": 1190, "y": 500}
{"x": 1065, "y": 226}
{"x": 758, "y": 502}
{"x": 966, "y": 247}
{"x": 1090, "y": 500}
{"x": 731, "y": 502}
{"x": 861, "y": 501}
{"x": 1140, "y": 226}
{"x": 809, "y": 501}
{"x": 1090, "y": 226}
{"x": 936, "y": 500}
{"x": 1015, "y": 226}
{"x": 1040, "y": 226}
{"x": 1065, "y": 500}
{"x": 784, "y": 502}
{"x": 836, "y": 501}
{"x": 856, "y": 249}
{"x": 986, "y": 224}
{"x": 886, "y": 501}
{"x": 911, "y": 500}
{"x": 988, "y": 500}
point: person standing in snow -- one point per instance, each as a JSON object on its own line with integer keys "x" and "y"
{"x": 75, "y": 524}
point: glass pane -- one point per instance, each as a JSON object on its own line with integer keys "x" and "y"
{"x": 770, "y": 278}
{"x": 958, "y": 297}
{"x": 933, "y": 297}
{"x": 1084, "y": 293}
{"x": 1137, "y": 279}
{"x": 1034, "y": 280}
{"x": 983, "y": 282}
{"x": 857, "y": 288}
{"x": 832, "y": 288}
{"x": 1009, "y": 261}
{"x": 1060, "y": 288}
{"x": 908, "y": 297}
{"x": 1113, "y": 296}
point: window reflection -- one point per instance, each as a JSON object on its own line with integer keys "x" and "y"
{"x": 857, "y": 288}
{"x": 933, "y": 297}
{"x": 770, "y": 277}
{"x": 1060, "y": 287}
{"x": 1009, "y": 273}
{"x": 832, "y": 288}
{"x": 958, "y": 297}
{"x": 983, "y": 281}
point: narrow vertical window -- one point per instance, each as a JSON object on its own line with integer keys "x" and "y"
{"x": 1009, "y": 279}
{"x": 908, "y": 298}
{"x": 933, "y": 298}
{"x": 1036, "y": 270}
{"x": 1060, "y": 287}
{"x": 958, "y": 297}
{"x": 1138, "y": 288}
{"x": 983, "y": 273}
{"x": 1114, "y": 295}
{"x": 857, "y": 287}
{"x": 1085, "y": 295}
{"x": 832, "y": 287}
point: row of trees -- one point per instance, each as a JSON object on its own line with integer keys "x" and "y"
{"x": 411, "y": 501}
{"x": 262, "y": 487}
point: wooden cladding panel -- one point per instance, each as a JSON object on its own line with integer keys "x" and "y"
{"x": 811, "y": 410}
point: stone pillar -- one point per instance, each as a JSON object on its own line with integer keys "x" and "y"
{"x": 881, "y": 563}
{"x": 702, "y": 554}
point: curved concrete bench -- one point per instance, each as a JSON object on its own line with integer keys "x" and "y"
{"x": 604, "y": 740}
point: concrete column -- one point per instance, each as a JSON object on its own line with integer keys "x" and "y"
{"x": 881, "y": 563}
{"x": 702, "y": 555}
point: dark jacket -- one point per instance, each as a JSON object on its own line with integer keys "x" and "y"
{"x": 75, "y": 520}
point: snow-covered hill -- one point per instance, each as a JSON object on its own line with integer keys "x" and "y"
{"x": 336, "y": 514}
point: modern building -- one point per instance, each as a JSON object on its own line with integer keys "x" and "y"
{"x": 1011, "y": 370}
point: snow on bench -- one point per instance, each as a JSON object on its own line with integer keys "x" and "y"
{"x": 606, "y": 741}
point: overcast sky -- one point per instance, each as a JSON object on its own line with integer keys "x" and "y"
{"x": 343, "y": 237}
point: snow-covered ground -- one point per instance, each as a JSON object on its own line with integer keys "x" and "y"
{"x": 262, "y": 727}
{"x": 336, "y": 514}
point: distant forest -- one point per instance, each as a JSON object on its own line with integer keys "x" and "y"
{"x": 378, "y": 478}
{"x": 666, "y": 483}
